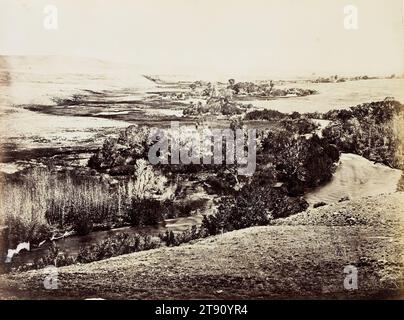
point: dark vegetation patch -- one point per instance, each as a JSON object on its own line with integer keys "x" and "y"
{"x": 265, "y": 89}
{"x": 372, "y": 130}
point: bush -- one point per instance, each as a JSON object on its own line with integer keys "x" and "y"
{"x": 171, "y": 239}
{"x": 216, "y": 106}
{"x": 253, "y": 205}
{"x": 115, "y": 245}
{"x": 118, "y": 244}
{"x": 266, "y": 114}
{"x": 116, "y": 154}
{"x": 54, "y": 257}
{"x": 265, "y": 89}
{"x": 83, "y": 225}
{"x": 146, "y": 212}
{"x": 299, "y": 125}
{"x": 121, "y": 243}
{"x": 21, "y": 229}
{"x": 297, "y": 161}
{"x": 371, "y": 130}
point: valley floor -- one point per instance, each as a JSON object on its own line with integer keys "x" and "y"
{"x": 302, "y": 256}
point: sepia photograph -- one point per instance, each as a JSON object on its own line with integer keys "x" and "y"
{"x": 178, "y": 150}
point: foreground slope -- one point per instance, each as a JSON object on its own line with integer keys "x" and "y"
{"x": 299, "y": 257}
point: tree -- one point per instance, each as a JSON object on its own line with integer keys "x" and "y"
{"x": 146, "y": 183}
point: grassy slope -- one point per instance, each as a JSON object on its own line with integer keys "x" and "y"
{"x": 300, "y": 257}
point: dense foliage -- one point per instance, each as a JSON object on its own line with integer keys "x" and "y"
{"x": 117, "y": 156}
{"x": 289, "y": 162}
{"x": 372, "y": 130}
{"x": 266, "y": 89}
{"x": 216, "y": 106}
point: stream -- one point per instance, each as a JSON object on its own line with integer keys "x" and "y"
{"x": 71, "y": 245}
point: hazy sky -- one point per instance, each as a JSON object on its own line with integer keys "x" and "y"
{"x": 260, "y": 37}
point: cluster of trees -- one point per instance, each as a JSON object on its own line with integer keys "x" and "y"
{"x": 372, "y": 130}
{"x": 265, "y": 89}
{"x": 288, "y": 163}
{"x": 266, "y": 114}
{"x": 216, "y": 106}
{"x": 233, "y": 89}
{"x": 118, "y": 155}
{"x": 300, "y": 162}
{"x": 119, "y": 244}
{"x": 254, "y": 205}
{"x": 330, "y": 79}
{"x": 337, "y": 79}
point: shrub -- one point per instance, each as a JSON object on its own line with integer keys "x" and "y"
{"x": 299, "y": 162}
{"x": 220, "y": 105}
{"x": 132, "y": 144}
{"x": 21, "y": 229}
{"x": 299, "y": 125}
{"x": 265, "y": 114}
{"x": 115, "y": 245}
{"x": 372, "y": 130}
{"x": 147, "y": 182}
{"x": 118, "y": 244}
{"x": 253, "y": 205}
{"x": 146, "y": 212}
{"x": 83, "y": 225}
{"x": 54, "y": 257}
{"x": 172, "y": 239}
{"x": 121, "y": 243}
{"x": 168, "y": 238}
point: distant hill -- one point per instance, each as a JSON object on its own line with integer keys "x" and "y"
{"x": 37, "y": 79}
{"x": 56, "y": 63}
{"x": 51, "y": 64}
